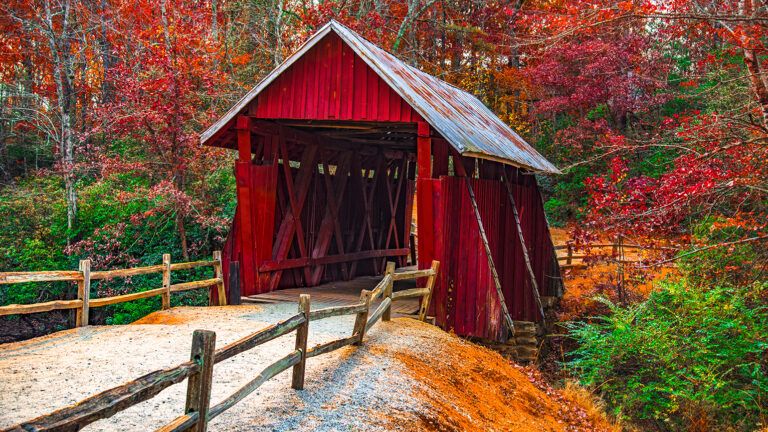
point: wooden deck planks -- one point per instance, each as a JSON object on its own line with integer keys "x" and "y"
{"x": 339, "y": 294}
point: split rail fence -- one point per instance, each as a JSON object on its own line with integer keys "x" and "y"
{"x": 617, "y": 250}
{"x": 198, "y": 371}
{"x": 84, "y": 276}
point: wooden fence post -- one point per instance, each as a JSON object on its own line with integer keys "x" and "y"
{"x": 301, "y": 343}
{"x": 570, "y": 254}
{"x": 234, "y": 283}
{"x": 84, "y": 293}
{"x": 362, "y": 317}
{"x": 199, "y": 384}
{"x": 218, "y": 274}
{"x": 167, "y": 281}
{"x": 424, "y": 307}
{"x": 620, "y": 269}
{"x": 387, "y": 316}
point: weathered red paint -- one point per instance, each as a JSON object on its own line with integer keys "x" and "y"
{"x": 424, "y": 192}
{"x": 243, "y": 179}
{"x": 330, "y": 82}
{"x": 465, "y": 299}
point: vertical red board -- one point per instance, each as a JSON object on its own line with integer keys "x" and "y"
{"x": 347, "y": 85}
{"x": 263, "y": 194}
{"x": 440, "y": 233}
{"x": 336, "y": 72}
{"x": 383, "y": 102}
{"x": 242, "y": 174}
{"x": 373, "y": 94}
{"x": 394, "y": 107}
{"x": 425, "y": 250}
{"x": 310, "y": 78}
{"x": 324, "y": 79}
{"x": 330, "y": 81}
{"x": 360, "y": 99}
{"x": 440, "y": 158}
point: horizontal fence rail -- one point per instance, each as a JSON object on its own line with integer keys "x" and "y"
{"x": 84, "y": 276}
{"x": 617, "y": 250}
{"x": 39, "y": 276}
{"x": 198, "y": 370}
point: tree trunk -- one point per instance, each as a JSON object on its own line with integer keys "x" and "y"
{"x": 182, "y": 236}
{"x": 107, "y": 59}
{"x": 754, "y": 71}
{"x": 279, "y": 33}
{"x": 214, "y": 20}
{"x": 63, "y": 73}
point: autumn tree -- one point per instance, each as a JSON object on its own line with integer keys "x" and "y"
{"x": 48, "y": 49}
{"x": 164, "y": 81}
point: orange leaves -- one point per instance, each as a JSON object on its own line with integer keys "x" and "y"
{"x": 625, "y": 6}
{"x": 241, "y": 60}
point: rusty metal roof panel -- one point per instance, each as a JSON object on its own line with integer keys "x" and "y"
{"x": 465, "y": 122}
{"x": 460, "y": 117}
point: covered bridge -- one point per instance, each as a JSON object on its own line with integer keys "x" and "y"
{"x": 332, "y": 146}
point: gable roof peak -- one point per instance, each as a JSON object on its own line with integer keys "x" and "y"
{"x": 463, "y": 120}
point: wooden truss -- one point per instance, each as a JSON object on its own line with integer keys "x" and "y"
{"x": 339, "y": 211}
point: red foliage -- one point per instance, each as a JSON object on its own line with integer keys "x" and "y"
{"x": 604, "y": 66}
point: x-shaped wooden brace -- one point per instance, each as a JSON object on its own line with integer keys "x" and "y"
{"x": 394, "y": 202}
{"x": 367, "y": 195}
{"x": 297, "y": 195}
{"x": 330, "y": 227}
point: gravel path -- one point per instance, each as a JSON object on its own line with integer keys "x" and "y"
{"x": 408, "y": 376}
{"x": 48, "y": 373}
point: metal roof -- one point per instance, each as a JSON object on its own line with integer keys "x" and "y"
{"x": 465, "y": 122}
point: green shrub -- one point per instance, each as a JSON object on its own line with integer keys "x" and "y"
{"x": 731, "y": 264}
{"x": 684, "y": 358}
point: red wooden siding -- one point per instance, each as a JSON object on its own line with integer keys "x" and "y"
{"x": 331, "y": 82}
{"x": 465, "y": 298}
{"x": 256, "y": 191}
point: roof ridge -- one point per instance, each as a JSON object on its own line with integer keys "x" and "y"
{"x": 414, "y": 68}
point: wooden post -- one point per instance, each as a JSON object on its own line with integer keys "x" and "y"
{"x": 301, "y": 343}
{"x": 234, "y": 283}
{"x": 387, "y": 316}
{"x": 620, "y": 269}
{"x": 430, "y": 286}
{"x": 199, "y": 384}
{"x": 217, "y": 273}
{"x": 424, "y": 151}
{"x": 424, "y": 191}
{"x": 243, "y": 168}
{"x": 362, "y": 317}
{"x": 84, "y": 293}
{"x": 166, "y": 281}
{"x": 570, "y": 254}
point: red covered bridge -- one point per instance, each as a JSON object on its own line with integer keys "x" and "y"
{"x": 332, "y": 145}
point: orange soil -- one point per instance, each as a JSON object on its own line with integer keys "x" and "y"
{"x": 162, "y": 317}
{"x": 582, "y": 284}
{"x": 183, "y": 315}
{"x": 469, "y": 388}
